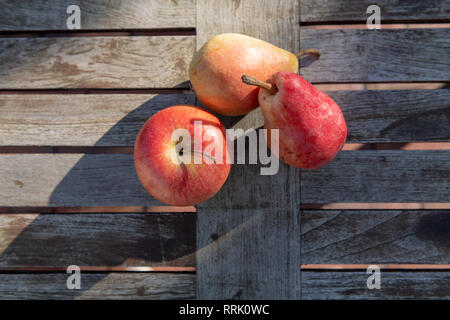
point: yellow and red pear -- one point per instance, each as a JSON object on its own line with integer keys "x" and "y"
{"x": 216, "y": 69}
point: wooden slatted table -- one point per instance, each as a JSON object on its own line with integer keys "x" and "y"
{"x": 72, "y": 102}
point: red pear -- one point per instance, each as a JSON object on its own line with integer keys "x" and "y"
{"x": 312, "y": 129}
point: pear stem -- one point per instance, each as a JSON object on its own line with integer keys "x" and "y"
{"x": 255, "y": 82}
{"x": 307, "y": 52}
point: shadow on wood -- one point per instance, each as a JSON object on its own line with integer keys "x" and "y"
{"x": 100, "y": 239}
{"x": 246, "y": 203}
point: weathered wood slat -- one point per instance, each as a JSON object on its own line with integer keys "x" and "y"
{"x": 96, "y": 15}
{"x": 261, "y": 20}
{"x": 378, "y": 55}
{"x": 60, "y": 240}
{"x": 114, "y": 120}
{"x": 241, "y": 230}
{"x": 355, "y": 10}
{"x": 380, "y": 176}
{"x": 394, "y": 285}
{"x": 79, "y": 120}
{"x": 71, "y": 180}
{"x": 98, "y": 286}
{"x": 238, "y": 252}
{"x": 95, "y": 62}
{"x": 395, "y": 116}
{"x": 375, "y": 237}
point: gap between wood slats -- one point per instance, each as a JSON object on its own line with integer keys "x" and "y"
{"x": 97, "y": 269}
{"x": 98, "y": 91}
{"x": 384, "y": 25}
{"x": 387, "y": 267}
{"x": 112, "y": 209}
{"x": 192, "y": 209}
{"x": 66, "y": 149}
{"x": 304, "y": 267}
{"x": 376, "y": 206}
{"x": 329, "y": 86}
{"x": 129, "y": 150}
{"x": 398, "y": 146}
{"x": 432, "y": 85}
{"x": 100, "y": 33}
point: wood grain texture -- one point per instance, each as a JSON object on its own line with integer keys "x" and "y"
{"x": 241, "y": 230}
{"x": 120, "y": 286}
{"x": 95, "y": 62}
{"x": 380, "y": 176}
{"x": 394, "y": 285}
{"x": 79, "y": 120}
{"x": 355, "y": 10}
{"x": 114, "y": 120}
{"x": 96, "y": 15}
{"x": 260, "y": 20}
{"x": 395, "y": 116}
{"x": 71, "y": 180}
{"x": 378, "y": 55}
{"x": 379, "y": 237}
{"x": 60, "y": 240}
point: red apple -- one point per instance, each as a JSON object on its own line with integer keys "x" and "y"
{"x": 179, "y": 176}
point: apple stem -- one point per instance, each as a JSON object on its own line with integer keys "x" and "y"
{"x": 308, "y": 52}
{"x": 200, "y": 153}
{"x": 255, "y": 82}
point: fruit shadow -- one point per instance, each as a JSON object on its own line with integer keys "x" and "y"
{"x": 50, "y": 240}
{"x": 109, "y": 179}
{"x": 102, "y": 179}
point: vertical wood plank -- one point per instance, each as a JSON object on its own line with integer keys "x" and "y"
{"x": 275, "y": 21}
{"x": 248, "y": 244}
